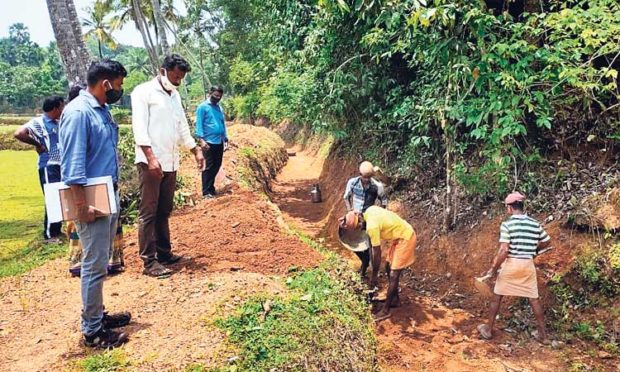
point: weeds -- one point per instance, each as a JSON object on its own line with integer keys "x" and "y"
{"x": 588, "y": 332}
{"x": 323, "y": 323}
{"x": 108, "y": 361}
{"x": 597, "y": 270}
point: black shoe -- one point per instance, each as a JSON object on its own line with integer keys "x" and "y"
{"x": 105, "y": 339}
{"x": 172, "y": 259}
{"x": 156, "y": 270}
{"x": 115, "y": 320}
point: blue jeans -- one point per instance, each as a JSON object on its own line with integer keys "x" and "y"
{"x": 97, "y": 238}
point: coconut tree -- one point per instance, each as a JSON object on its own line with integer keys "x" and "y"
{"x": 136, "y": 10}
{"x": 161, "y": 28}
{"x": 100, "y": 24}
{"x": 136, "y": 59}
{"x": 68, "y": 34}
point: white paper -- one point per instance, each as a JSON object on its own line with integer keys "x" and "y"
{"x": 52, "y": 196}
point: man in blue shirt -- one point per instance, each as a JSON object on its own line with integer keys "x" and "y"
{"x": 42, "y": 133}
{"x": 212, "y": 137}
{"x": 89, "y": 148}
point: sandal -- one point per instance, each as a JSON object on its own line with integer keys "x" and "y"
{"x": 484, "y": 331}
{"x": 156, "y": 270}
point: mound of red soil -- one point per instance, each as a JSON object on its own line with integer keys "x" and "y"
{"x": 233, "y": 232}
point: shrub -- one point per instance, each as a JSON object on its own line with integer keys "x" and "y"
{"x": 121, "y": 115}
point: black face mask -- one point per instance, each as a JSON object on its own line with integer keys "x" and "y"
{"x": 215, "y": 100}
{"x": 113, "y": 95}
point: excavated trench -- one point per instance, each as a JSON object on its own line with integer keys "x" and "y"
{"x": 435, "y": 328}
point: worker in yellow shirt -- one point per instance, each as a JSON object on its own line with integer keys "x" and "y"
{"x": 382, "y": 224}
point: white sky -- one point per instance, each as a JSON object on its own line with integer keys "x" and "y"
{"x": 33, "y": 13}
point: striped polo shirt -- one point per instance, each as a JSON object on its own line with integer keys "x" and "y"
{"x": 45, "y": 131}
{"x": 523, "y": 233}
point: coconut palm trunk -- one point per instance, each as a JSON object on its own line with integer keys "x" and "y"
{"x": 143, "y": 28}
{"x": 68, "y": 34}
{"x": 161, "y": 27}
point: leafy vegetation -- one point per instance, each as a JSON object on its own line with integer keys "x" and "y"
{"x": 320, "y": 324}
{"x": 30, "y": 72}
{"x": 476, "y": 93}
{"x": 591, "y": 285}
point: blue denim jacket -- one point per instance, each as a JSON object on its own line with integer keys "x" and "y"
{"x": 88, "y": 141}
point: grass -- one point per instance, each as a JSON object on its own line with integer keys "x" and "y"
{"x": 21, "y": 215}
{"x": 108, "y": 361}
{"x": 8, "y": 128}
{"x": 322, "y": 323}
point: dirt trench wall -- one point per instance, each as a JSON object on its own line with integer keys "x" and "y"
{"x": 337, "y": 170}
{"x": 256, "y": 156}
{"x": 460, "y": 255}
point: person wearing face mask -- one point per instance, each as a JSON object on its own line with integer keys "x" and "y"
{"x": 88, "y": 139}
{"x": 42, "y": 133}
{"x": 213, "y": 138}
{"x": 160, "y": 129}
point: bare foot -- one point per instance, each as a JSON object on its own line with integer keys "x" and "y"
{"x": 542, "y": 338}
{"x": 485, "y": 331}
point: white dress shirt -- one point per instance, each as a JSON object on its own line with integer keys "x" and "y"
{"x": 158, "y": 120}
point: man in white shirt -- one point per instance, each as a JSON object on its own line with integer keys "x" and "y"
{"x": 160, "y": 128}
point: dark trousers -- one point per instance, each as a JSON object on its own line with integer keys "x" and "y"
{"x": 156, "y": 202}
{"x": 49, "y": 174}
{"x": 364, "y": 256}
{"x": 213, "y": 158}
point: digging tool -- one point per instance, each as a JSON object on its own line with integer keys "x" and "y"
{"x": 544, "y": 251}
{"x": 482, "y": 286}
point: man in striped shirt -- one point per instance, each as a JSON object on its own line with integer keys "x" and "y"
{"x": 520, "y": 239}
{"x": 42, "y": 133}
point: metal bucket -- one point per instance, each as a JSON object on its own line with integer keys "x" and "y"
{"x": 353, "y": 240}
{"x": 315, "y": 194}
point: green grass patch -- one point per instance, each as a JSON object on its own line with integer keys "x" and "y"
{"x": 323, "y": 323}
{"x": 108, "y": 361}
{"x": 14, "y": 119}
{"x": 7, "y": 142}
{"x": 8, "y": 128}
{"x": 21, "y": 215}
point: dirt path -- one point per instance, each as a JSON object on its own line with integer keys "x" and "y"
{"x": 237, "y": 248}
{"x": 292, "y": 191}
{"x": 430, "y": 332}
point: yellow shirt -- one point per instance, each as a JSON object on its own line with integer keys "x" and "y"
{"x": 386, "y": 225}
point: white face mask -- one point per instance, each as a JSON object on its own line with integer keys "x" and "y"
{"x": 166, "y": 83}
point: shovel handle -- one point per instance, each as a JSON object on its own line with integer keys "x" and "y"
{"x": 545, "y": 251}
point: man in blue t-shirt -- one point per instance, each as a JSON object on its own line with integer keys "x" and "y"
{"x": 212, "y": 137}
{"x": 42, "y": 133}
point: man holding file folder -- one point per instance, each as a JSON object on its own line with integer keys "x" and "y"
{"x": 89, "y": 148}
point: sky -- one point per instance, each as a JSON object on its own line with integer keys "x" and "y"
{"x": 33, "y": 13}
